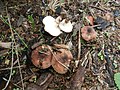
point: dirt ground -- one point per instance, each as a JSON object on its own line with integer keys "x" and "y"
{"x": 93, "y": 63}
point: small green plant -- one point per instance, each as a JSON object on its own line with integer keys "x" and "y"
{"x": 106, "y": 34}
{"x": 16, "y": 89}
{"x": 117, "y": 79}
{"x": 62, "y": 1}
{"x": 100, "y": 55}
{"x": 31, "y": 20}
{"x": 118, "y": 46}
{"x": 13, "y": 72}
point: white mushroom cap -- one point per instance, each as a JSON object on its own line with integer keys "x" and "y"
{"x": 48, "y": 20}
{"x": 66, "y": 27}
{"x": 51, "y": 26}
{"x": 52, "y": 30}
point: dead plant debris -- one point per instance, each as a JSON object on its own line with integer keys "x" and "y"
{"x": 59, "y": 44}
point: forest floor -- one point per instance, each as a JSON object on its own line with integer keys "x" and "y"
{"x": 93, "y": 63}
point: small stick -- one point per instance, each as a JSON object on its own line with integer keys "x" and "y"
{"x": 12, "y": 83}
{"x": 2, "y": 69}
{"x": 57, "y": 59}
{"x": 79, "y": 45}
{"x": 49, "y": 75}
{"x": 12, "y": 36}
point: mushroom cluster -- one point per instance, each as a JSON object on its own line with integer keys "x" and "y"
{"x": 55, "y": 26}
{"x": 44, "y": 57}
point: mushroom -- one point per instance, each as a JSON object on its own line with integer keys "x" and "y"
{"x": 90, "y": 20}
{"x": 51, "y": 26}
{"x": 88, "y": 33}
{"x": 58, "y": 19}
{"x": 61, "y": 60}
{"x": 48, "y": 19}
{"x": 41, "y": 57}
{"x": 66, "y": 26}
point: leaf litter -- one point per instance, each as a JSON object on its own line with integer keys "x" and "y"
{"x": 78, "y": 64}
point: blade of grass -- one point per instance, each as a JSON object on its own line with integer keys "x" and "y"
{"x": 11, "y": 68}
{"x": 5, "y": 21}
{"x": 16, "y": 51}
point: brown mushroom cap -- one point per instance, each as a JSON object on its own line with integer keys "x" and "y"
{"x": 41, "y": 57}
{"x": 88, "y": 33}
{"x": 61, "y": 61}
{"x": 90, "y": 18}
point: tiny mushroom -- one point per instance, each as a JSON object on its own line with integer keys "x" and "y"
{"x": 90, "y": 20}
{"x": 88, "y": 33}
{"x": 41, "y": 57}
{"x": 61, "y": 60}
{"x": 51, "y": 26}
{"x": 66, "y": 26}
